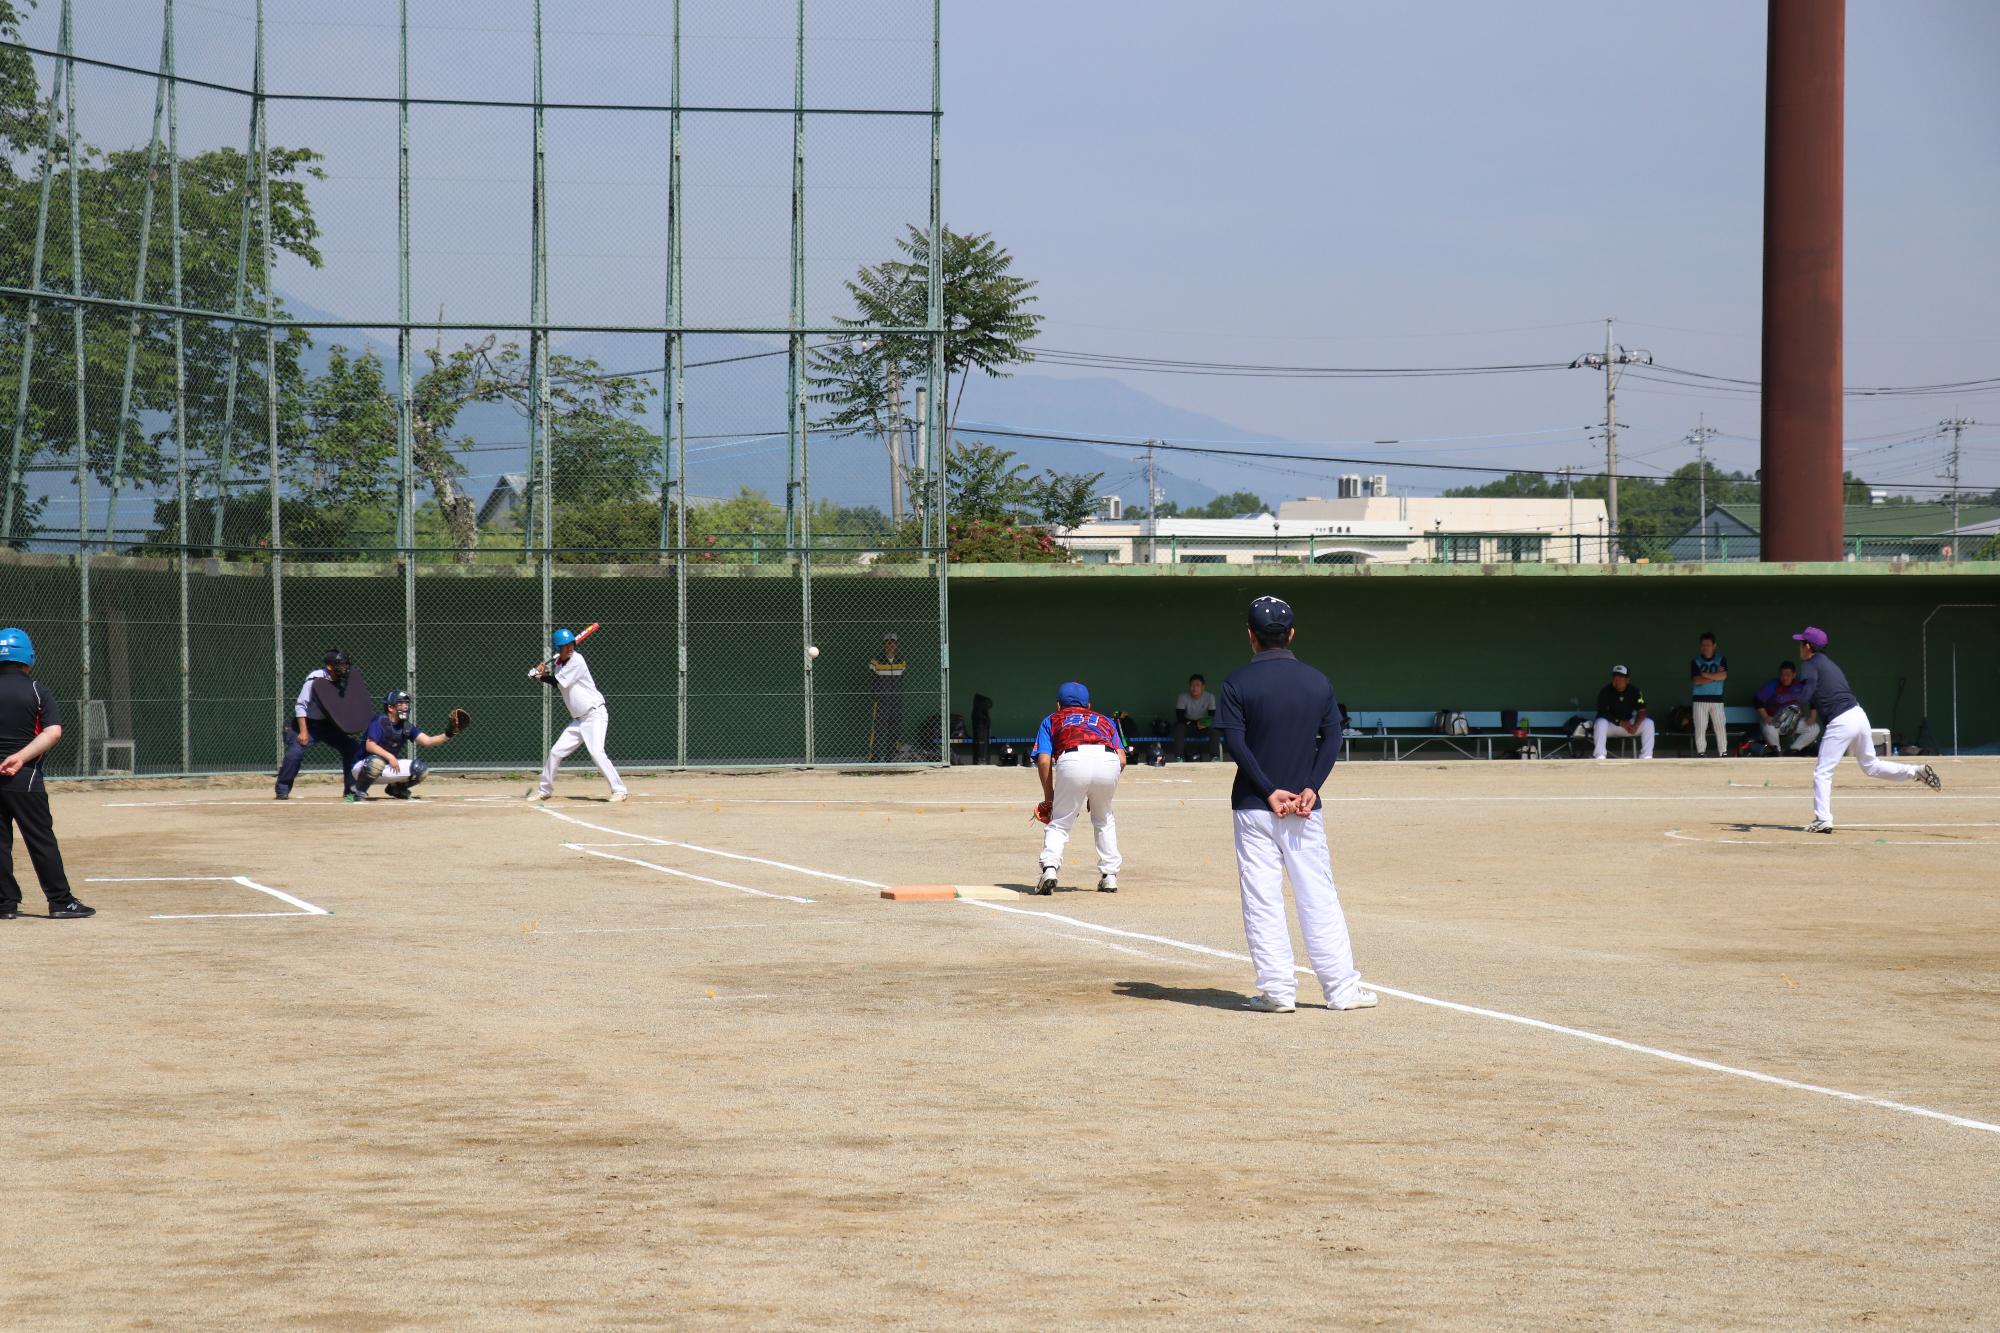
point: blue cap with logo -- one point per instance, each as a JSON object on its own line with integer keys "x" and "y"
{"x": 1270, "y": 615}
{"x": 1072, "y": 694}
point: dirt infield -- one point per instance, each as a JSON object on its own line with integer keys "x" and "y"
{"x": 577, "y": 1067}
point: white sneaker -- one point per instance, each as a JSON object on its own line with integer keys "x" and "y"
{"x": 1818, "y": 826}
{"x": 1107, "y": 883}
{"x": 618, "y": 796}
{"x": 1264, "y": 1004}
{"x": 1045, "y": 883}
{"x": 536, "y": 796}
{"x": 1362, "y": 999}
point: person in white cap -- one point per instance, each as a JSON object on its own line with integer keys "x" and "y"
{"x": 1622, "y": 707}
{"x": 1846, "y": 729}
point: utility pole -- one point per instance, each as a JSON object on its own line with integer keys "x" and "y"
{"x": 1702, "y": 435}
{"x": 1957, "y": 427}
{"x": 1569, "y": 495}
{"x": 1152, "y": 505}
{"x": 1612, "y": 361}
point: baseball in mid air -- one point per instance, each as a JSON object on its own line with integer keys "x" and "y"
{"x": 813, "y": 651}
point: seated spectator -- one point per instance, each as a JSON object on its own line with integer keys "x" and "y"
{"x": 1774, "y": 696}
{"x": 1621, "y": 707}
{"x": 1194, "y": 712}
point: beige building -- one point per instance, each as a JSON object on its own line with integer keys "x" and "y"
{"x": 1380, "y": 529}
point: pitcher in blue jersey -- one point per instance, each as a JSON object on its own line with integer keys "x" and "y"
{"x": 1079, "y": 754}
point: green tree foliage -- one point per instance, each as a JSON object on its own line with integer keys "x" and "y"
{"x": 1236, "y": 504}
{"x": 1065, "y": 499}
{"x": 867, "y": 383}
{"x": 111, "y": 189}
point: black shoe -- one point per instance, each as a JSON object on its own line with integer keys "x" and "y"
{"x": 283, "y": 793}
{"x": 10, "y": 913}
{"x": 71, "y": 911}
{"x": 401, "y": 791}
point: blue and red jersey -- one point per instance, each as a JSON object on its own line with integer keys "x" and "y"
{"x": 1068, "y": 728}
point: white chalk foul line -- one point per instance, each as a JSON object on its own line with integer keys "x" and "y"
{"x": 1693, "y": 1061}
{"x": 713, "y": 851}
{"x": 686, "y": 874}
{"x": 304, "y": 908}
{"x": 1821, "y": 840}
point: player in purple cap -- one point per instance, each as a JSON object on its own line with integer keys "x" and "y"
{"x": 1079, "y": 754}
{"x": 1846, "y": 729}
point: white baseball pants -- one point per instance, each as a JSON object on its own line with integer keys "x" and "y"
{"x": 1807, "y": 733}
{"x": 1268, "y": 849}
{"x": 1708, "y": 713}
{"x": 1084, "y": 777}
{"x": 588, "y": 732}
{"x": 1603, "y": 727}
{"x": 1847, "y": 733}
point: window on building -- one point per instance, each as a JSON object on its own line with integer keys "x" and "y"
{"x": 1455, "y": 548}
{"x": 1089, "y": 557}
{"x": 1204, "y": 559}
{"x": 1517, "y": 549}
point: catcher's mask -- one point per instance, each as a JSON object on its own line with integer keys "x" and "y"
{"x": 397, "y": 705}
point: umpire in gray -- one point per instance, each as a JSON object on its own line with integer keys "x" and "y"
{"x": 30, "y": 726}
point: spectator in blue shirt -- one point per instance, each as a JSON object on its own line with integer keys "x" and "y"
{"x": 1708, "y": 670}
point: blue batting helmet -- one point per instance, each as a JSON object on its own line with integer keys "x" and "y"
{"x": 562, "y": 638}
{"x": 17, "y": 647}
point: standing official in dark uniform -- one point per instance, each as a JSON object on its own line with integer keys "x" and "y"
{"x": 885, "y": 722}
{"x": 1282, "y": 724}
{"x": 30, "y": 726}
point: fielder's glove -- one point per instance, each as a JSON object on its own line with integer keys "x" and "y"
{"x": 1788, "y": 719}
{"x": 1045, "y": 812}
{"x": 457, "y": 722}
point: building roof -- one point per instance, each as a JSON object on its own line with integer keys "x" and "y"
{"x": 1883, "y": 520}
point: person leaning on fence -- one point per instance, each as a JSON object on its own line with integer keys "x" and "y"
{"x": 30, "y": 726}
{"x": 1622, "y": 708}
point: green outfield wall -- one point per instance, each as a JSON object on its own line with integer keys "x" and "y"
{"x": 1540, "y": 638}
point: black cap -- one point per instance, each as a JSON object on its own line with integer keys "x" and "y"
{"x": 1269, "y": 615}
{"x": 334, "y": 655}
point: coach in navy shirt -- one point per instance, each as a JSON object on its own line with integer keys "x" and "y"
{"x": 1281, "y": 723}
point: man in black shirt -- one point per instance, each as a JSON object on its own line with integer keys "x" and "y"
{"x": 1282, "y": 725}
{"x": 30, "y": 725}
{"x": 1621, "y": 706}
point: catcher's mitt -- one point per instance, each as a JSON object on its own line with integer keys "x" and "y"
{"x": 1044, "y": 812}
{"x": 457, "y": 722}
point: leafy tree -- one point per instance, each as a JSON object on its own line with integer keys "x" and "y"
{"x": 984, "y": 483}
{"x": 1236, "y": 504}
{"x": 1065, "y": 499}
{"x": 867, "y": 382}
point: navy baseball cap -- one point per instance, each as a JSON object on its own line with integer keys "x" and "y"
{"x": 1268, "y": 614}
{"x": 1813, "y": 635}
{"x": 1072, "y": 694}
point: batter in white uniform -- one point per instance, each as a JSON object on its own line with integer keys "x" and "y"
{"x": 588, "y": 718}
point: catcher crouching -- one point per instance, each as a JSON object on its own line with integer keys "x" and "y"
{"x": 386, "y": 744}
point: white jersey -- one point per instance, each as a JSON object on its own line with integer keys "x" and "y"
{"x": 579, "y": 691}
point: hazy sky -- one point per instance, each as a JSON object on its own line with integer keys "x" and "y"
{"x": 1299, "y": 183}
{"x": 1438, "y": 183}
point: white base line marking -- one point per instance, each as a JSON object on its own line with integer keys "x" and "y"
{"x": 1819, "y": 841}
{"x": 813, "y": 923}
{"x": 687, "y": 874}
{"x": 1963, "y": 1122}
{"x": 714, "y": 851}
{"x": 305, "y": 908}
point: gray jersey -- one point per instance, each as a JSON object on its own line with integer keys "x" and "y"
{"x": 1826, "y": 687}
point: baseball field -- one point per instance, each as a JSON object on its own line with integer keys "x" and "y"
{"x": 1645, "y": 1056}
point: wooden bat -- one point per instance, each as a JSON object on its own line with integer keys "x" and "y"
{"x": 541, "y": 669}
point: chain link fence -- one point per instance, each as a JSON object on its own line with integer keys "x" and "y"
{"x": 419, "y": 335}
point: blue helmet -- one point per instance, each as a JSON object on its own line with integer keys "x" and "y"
{"x": 394, "y": 700}
{"x": 17, "y": 647}
{"x": 562, "y": 638}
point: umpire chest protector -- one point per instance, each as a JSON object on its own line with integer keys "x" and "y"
{"x": 1071, "y": 728}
